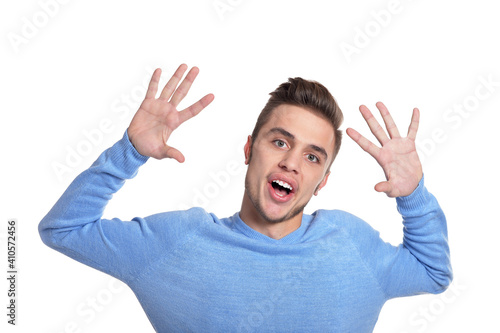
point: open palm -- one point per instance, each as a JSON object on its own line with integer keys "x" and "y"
{"x": 157, "y": 118}
{"x": 398, "y": 156}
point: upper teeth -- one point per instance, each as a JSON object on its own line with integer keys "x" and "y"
{"x": 284, "y": 184}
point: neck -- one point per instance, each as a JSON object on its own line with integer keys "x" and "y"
{"x": 255, "y": 220}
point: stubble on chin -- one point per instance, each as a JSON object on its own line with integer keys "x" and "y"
{"x": 258, "y": 207}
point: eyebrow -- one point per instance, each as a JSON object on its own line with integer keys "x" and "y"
{"x": 289, "y": 135}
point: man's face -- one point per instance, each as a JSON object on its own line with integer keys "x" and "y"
{"x": 289, "y": 162}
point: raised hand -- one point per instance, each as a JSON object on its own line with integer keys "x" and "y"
{"x": 157, "y": 118}
{"x": 397, "y": 156}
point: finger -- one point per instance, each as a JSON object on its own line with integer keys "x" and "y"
{"x": 364, "y": 143}
{"x": 183, "y": 89}
{"x": 153, "y": 84}
{"x": 392, "y": 129}
{"x": 173, "y": 82}
{"x": 196, "y": 108}
{"x": 375, "y": 127}
{"x": 171, "y": 152}
{"x": 415, "y": 119}
{"x": 385, "y": 187}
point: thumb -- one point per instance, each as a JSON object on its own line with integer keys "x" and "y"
{"x": 171, "y": 152}
{"x": 384, "y": 186}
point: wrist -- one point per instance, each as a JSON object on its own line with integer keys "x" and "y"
{"x": 413, "y": 201}
{"x": 130, "y": 142}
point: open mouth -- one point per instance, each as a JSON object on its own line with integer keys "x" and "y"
{"x": 281, "y": 188}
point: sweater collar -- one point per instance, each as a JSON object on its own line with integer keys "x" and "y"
{"x": 240, "y": 226}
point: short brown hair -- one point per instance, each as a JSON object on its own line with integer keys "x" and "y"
{"x": 308, "y": 94}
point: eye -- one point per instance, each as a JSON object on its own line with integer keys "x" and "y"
{"x": 280, "y": 143}
{"x": 312, "y": 158}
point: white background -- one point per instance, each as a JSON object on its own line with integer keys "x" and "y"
{"x": 68, "y": 67}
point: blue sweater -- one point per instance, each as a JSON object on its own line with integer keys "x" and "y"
{"x": 194, "y": 272}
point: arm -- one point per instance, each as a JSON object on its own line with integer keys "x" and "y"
{"x": 74, "y": 226}
{"x": 421, "y": 263}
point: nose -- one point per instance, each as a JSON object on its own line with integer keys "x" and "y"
{"x": 290, "y": 161}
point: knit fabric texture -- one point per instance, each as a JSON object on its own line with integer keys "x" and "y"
{"x": 194, "y": 272}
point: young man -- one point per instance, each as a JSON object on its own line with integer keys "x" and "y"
{"x": 269, "y": 267}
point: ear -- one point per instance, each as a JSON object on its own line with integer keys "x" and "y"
{"x": 322, "y": 184}
{"x": 248, "y": 149}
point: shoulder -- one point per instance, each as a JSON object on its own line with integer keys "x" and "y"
{"x": 357, "y": 234}
{"x": 338, "y": 218}
{"x": 189, "y": 217}
{"x": 342, "y": 221}
{"x": 178, "y": 224}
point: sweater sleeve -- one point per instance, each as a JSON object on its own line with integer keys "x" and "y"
{"x": 425, "y": 245}
{"x": 421, "y": 263}
{"x": 74, "y": 225}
